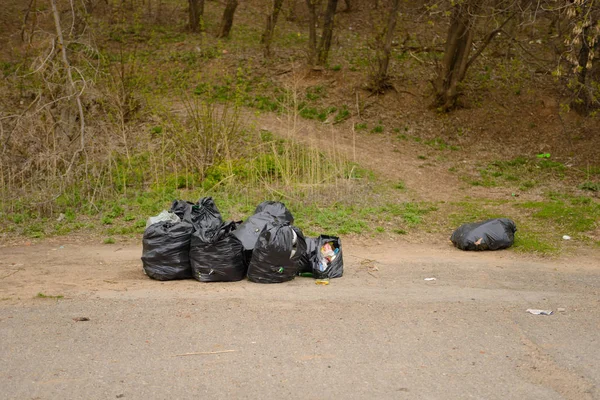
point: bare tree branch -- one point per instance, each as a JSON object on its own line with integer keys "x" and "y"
{"x": 488, "y": 40}
{"x": 63, "y": 50}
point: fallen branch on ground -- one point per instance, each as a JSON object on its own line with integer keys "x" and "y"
{"x": 203, "y": 353}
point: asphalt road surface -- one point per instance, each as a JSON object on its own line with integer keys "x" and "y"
{"x": 380, "y": 332}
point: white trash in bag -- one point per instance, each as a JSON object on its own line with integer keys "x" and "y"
{"x": 163, "y": 216}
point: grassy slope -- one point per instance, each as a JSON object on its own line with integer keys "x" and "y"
{"x": 165, "y": 64}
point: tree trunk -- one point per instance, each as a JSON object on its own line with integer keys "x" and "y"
{"x": 196, "y": 13}
{"x": 380, "y": 80}
{"x": 325, "y": 42}
{"x": 312, "y": 30}
{"x": 267, "y": 36}
{"x": 72, "y": 89}
{"x": 456, "y": 57}
{"x": 348, "y": 5}
{"x": 584, "y": 101}
{"x": 227, "y": 21}
{"x": 292, "y": 11}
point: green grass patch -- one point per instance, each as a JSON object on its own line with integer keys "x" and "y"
{"x": 377, "y": 129}
{"x": 315, "y": 93}
{"x": 592, "y": 170}
{"x": 485, "y": 181}
{"x": 470, "y": 211}
{"x": 521, "y": 172}
{"x": 343, "y": 219}
{"x": 319, "y": 114}
{"x": 568, "y": 217}
{"x": 400, "y": 185}
{"x": 591, "y": 186}
{"x": 441, "y": 144}
{"x": 342, "y": 115}
{"x": 529, "y": 242}
{"x": 41, "y": 295}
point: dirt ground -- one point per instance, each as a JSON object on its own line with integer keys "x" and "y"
{"x": 381, "y": 331}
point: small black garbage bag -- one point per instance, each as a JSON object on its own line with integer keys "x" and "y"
{"x": 328, "y": 261}
{"x": 276, "y": 256}
{"x": 308, "y": 258}
{"x": 218, "y": 256}
{"x": 183, "y": 209}
{"x": 492, "y": 234}
{"x": 250, "y": 229}
{"x": 277, "y": 209}
{"x": 203, "y": 214}
{"x": 166, "y": 250}
{"x": 206, "y": 215}
{"x": 266, "y": 213}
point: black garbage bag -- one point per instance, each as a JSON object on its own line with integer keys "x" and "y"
{"x": 166, "y": 250}
{"x": 492, "y": 234}
{"x": 206, "y": 215}
{"x": 328, "y": 261}
{"x": 218, "y": 256}
{"x": 203, "y": 214}
{"x": 276, "y": 256}
{"x": 267, "y": 213}
{"x": 277, "y": 209}
{"x": 307, "y": 259}
{"x": 183, "y": 209}
{"x": 249, "y": 231}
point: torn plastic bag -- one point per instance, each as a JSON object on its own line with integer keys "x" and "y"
{"x": 493, "y": 234}
{"x": 328, "y": 261}
{"x": 166, "y": 251}
{"x": 276, "y": 209}
{"x": 218, "y": 256}
{"x": 163, "y": 216}
{"x": 276, "y": 256}
{"x": 307, "y": 259}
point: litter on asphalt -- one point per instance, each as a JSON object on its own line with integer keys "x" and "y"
{"x": 539, "y": 312}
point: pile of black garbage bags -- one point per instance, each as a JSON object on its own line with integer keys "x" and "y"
{"x": 192, "y": 241}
